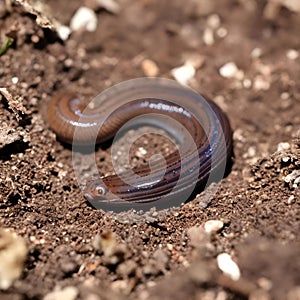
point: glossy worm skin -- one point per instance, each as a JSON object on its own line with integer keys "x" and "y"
{"x": 202, "y": 119}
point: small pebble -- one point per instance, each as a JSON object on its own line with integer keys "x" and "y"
{"x": 110, "y": 5}
{"x": 261, "y": 84}
{"x": 228, "y": 266}
{"x": 265, "y": 283}
{"x": 170, "y": 247}
{"x": 293, "y": 176}
{"x": 105, "y": 242}
{"x": 286, "y": 159}
{"x": 84, "y": 18}
{"x": 247, "y": 83}
{"x": 150, "y": 68}
{"x": 13, "y": 252}
{"x": 222, "y": 32}
{"x": 68, "y": 293}
{"x": 284, "y": 96}
{"x": 291, "y": 200}
{"x": 283, "y": 146}
{"x": 63, "y": 31}
{"x": 256, "y": 53}
{"x": 294, "y": 293}
{"x": 214, "y": 21}
{"x": 15, "y": 80}
{"x": 292, "y": 54}
{"x": 230, "y": 70}
{"x": 184, "y": 73}
{"x": 213, "y": 226}
{"x": 208, "y": 37}
{"x": 141, "y": 152}
{"x": 251, "y": 151}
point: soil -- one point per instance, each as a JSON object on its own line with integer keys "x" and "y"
{"x": 170, "y": 257}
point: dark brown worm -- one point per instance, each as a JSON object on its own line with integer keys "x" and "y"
{"x": 200, "y": 159}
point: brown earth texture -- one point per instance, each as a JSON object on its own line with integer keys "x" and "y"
{"x": 245, "y": 56}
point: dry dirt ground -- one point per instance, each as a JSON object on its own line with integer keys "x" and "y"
{"x": 82, "y": 252}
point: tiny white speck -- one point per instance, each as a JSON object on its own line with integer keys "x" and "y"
{"x": 292, "y": 54}
{"x": 15, "y": 80}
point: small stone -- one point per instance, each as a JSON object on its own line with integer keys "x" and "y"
{"x": 127, "y": 268}
{"x": 150, "y": 68}
{"x": 265, "y": 283}
{"x": 110, "y": 5}
{"x": 294, "y": 293}
{"x": 256, "y": 53}
{"x": 214, "y": 21}
{"x": 283, "y": 146}
{"x": 284, "y": 96}
{"x": 119, "y": 285}
{"x": 105, "y": 243}
{"x": 198, "y": 237}
{"x": 68, "y": 293}
{"x": 228, "y": 266}
{"x": 247, "y": 83}
{"x": 261, "y": 84}
{"x": 13, "y": 252}
{"x": 222, "y": 32}
{"x": 63, "y": 31}
{"x": 229, "y": 70}
{"x": 286, "y": 159}
{"x": 292, "y": 54}
{"x": 251, "y": 151}
{"x": 195, "y": 60}
{"x": 15, "y": 80}
{"x": 259, "y": 295}
{"x": 292, "y": 176}
{"x": 170, "y": 247}
{"x": 84, "y": 18}
{"x": 291, "y": 200}
{"x": 184, "y": 73}
{"x": 208, "y": 37}
{"x": 213, "y": 226}
{"x": 141, "y": 152}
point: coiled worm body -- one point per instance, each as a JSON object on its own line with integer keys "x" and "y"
{"x": 200, "y": 127}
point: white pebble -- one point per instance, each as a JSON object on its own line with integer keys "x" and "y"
{"x": 251, "y": 151}
{"x": 184, "y": 73}
{"x": 213, "y": 226}
{"x": 63, "y": 31}
{"x": 284, "y": 96}
{"x": 141, "y": 152}
{"x": 150, "y": 68}
{"x": 228, "y": 266}
{"x": 256, "y": 53}
{"x": 110, "y": 5}
{"x": 214, "y": 21}
{"x": 291, "y": 199}
{"x": 84, "y": 18}
{"x": 292, "y": 54}
{"x": 283, "y": 146}
{"x": 229, "y": 70}
{"x": 15, "y": 80}
{"x": 286, "y": 159}
{"x": 13, "y": 252}
{"x": 247, "y": 83}
{"x": 261, "y": 84}
{"x": 222, "y": 32}
{"x": 293, "y": 176}
{"x": 67, "y": 293}
{"x": 208, "y": 37}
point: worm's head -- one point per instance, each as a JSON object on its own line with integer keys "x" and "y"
{"x": 95, "y": 190}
